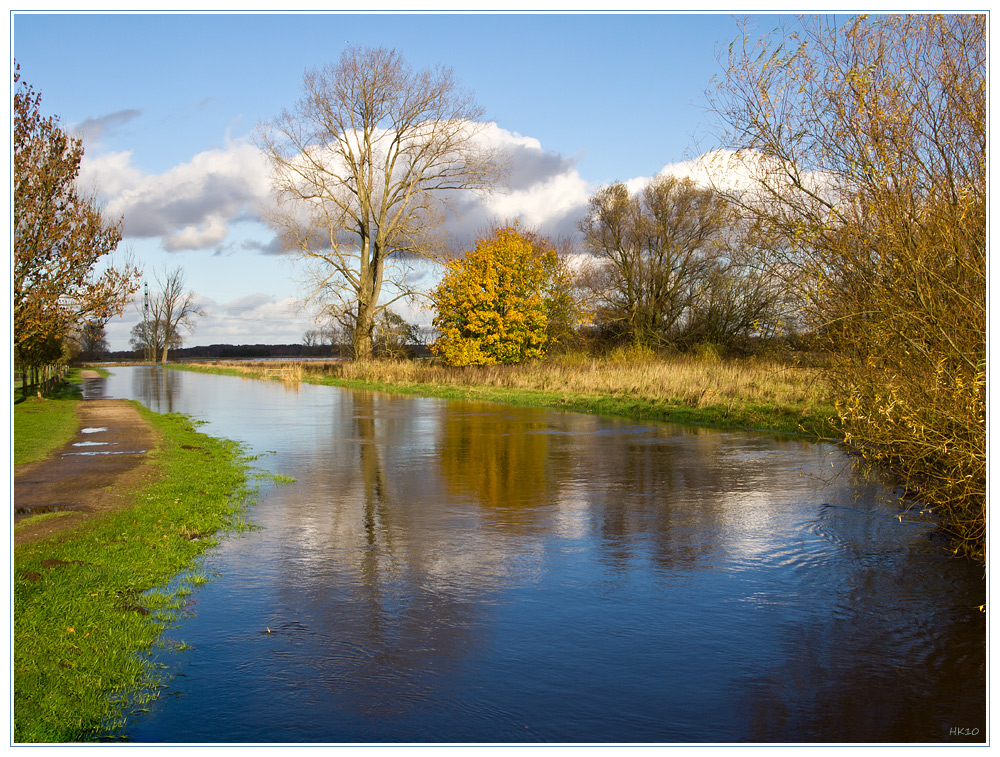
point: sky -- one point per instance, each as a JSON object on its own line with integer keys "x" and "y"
{"x": 166, "y": 105}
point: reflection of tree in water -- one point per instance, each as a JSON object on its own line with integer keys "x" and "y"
{"x": 683, "y": 495}
{"x": 391, "y": 628}
{"x": 650, "y": 486}
{"x": 158, "y": 386}
{"x": 504, "y": 459}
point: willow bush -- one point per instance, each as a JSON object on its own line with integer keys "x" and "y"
{"x": 861, "y": 152}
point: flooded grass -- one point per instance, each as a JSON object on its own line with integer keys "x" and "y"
{"x": 89, "y": 605}
{"x": 750, "y": 393}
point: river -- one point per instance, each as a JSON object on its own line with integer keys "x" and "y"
{"x": 460, "y": 572}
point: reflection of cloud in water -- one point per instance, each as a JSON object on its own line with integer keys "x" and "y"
{"x": 447, "y": 568}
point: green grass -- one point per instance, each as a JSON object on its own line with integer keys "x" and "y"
{"x": 84, "y": 626}
{"x": 42, "y": 426}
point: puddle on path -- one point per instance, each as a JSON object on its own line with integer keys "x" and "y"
{"x": 103, "y": 452}
{"x": 40, "y": 509}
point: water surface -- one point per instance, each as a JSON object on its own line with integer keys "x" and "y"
{"x": 458, "y": 572}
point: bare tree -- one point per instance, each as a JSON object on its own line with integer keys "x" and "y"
{"x": 177, "y": 308}
{"x": 361, "y": 170}
{"x": 653, "y": 251}
{"x": 165, "y": 313}
{"x": 147, "y": 336}
{"x": 313, "y": 338}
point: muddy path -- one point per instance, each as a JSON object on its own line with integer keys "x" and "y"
{"x": 95, "y": 473}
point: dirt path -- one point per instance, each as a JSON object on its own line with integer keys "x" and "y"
{"x": 90, "y": 476}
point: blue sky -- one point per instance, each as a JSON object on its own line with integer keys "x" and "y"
{"x": 166, "y": 105}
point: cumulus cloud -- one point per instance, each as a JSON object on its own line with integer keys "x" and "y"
{"x": 189, "y": 207}
{"x": 194, "y": 205}
{"x": 544, "y": 191}
{"x": 725, "y": 169}
{"x": 745, "y": 174}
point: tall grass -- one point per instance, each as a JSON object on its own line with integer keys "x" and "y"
{"x": 756, "y": 393}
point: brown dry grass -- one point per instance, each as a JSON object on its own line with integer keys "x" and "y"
{"x": 634, "y": 376}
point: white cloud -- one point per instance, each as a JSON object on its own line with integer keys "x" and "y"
{"x": 544, "y": 190}
{"x": 212, "y": 231}
{"x": 553, "y": 205}
{"x": 192, "y": 205}
{"x": 109, "y": 174}
{"x": 257, "y": 318}
{"x": 743, "y": 173}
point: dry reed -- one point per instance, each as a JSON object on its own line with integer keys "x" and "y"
{"x": 681, "y": 380}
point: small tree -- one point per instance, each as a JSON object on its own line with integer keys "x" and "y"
{"x": 91, "y": 340}
{"x": 495, "y": 304}
{"x": 164, "y": 314}
{"x": 393, "y": 335}
{"x": 36, "y": 355}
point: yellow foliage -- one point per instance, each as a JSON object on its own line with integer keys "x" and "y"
{"x": 495, "y": 302}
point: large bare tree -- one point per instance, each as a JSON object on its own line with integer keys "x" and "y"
{"x": 362, "y": 168}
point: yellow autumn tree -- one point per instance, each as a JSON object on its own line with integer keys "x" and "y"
{"x": 498, "y": 303}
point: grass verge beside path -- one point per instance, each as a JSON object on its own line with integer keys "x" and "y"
{"x": 756, "y": 394}
{"x": 44, "y": 425}
{"x": 88, "y": 605}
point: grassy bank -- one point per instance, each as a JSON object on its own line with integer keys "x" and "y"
{"x": 44, "y": 425}
{"x": 757, "y": 394}
{"x": 88, "y": 605}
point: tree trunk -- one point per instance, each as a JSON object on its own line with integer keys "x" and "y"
{"x": 364, "y": 326}
{"x": 364, "y": 346}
